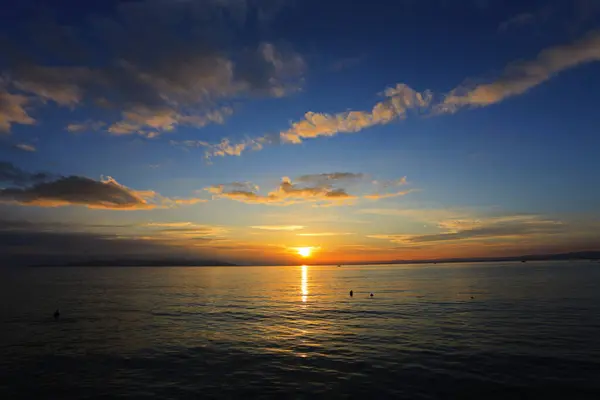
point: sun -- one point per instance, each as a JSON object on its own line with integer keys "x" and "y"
{"x": 304, "y": 251}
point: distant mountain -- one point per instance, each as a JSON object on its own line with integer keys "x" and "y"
{"x": 154, "y": 262}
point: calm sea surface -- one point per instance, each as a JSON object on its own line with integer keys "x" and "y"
{"x": 531, "y": 331}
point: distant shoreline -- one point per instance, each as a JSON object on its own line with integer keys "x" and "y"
{"x": 582, "y": 256}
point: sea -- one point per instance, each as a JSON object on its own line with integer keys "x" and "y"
{"x": 436, "y": 331}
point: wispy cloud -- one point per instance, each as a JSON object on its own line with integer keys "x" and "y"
{"x": 522, "y": 76}
{"x": 319, "y": 189}
{"x": 330, "y": 178}
{"x": 491, "y": 228}
{"x": 517, "y": 20}
{"x": 84, "y": 126}
{"x": 170, "y": 224}
{"x": 12, "y": 111}
{"x": 378, "y": 196}
{"x": 325, "y": 234}
{"x": 26, "y": 147}
{"x": 398, "y": 101}
{"x": 184, "y": 231}
{"x": 278, "y": 227}
{"x": 149, "y": 122}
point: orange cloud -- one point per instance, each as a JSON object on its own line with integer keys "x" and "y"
{"x": 287, "y": 193}
{"x": 149, "y": 121}
{"x": 318, "y": 189}
{"x": 278, "y": 227}
{"x": 378, "y": 196}
{"x": 316, "y": 234}
{"x": 398, "y": 101}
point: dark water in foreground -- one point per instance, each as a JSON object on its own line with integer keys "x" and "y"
{"x": 531, "y": 331}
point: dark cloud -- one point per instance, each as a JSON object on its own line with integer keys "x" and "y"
{"x": 330, "y": 178}
{"x": 77, "y": 190}
{"x": 13, "y": 175}
{"x": 43, "y": 190}
{"x": 515, "y": 227}
{"x": 498, "y": 230}
{"x": 178, "y": 60}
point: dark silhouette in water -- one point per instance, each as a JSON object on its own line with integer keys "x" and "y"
{"x": 472, "y": 297}
{"x": 371, "y": 294}
{"x": 56, "y": 314}
{"x": 351, "y": 293}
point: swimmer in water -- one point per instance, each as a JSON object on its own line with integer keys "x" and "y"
{"x": 56, "y": 314}
{"x": 371, "y": 295}
{"x": 351, "y": 293}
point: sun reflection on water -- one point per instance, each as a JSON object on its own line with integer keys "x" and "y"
{"x": 304, "y": 283}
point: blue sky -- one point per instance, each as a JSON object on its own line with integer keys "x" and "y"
{"x": 243, "y": 129}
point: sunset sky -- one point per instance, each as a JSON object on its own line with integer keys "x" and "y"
{"x": 242, "y": 130}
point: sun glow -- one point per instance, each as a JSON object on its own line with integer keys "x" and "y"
{"x": 304, "y": 251}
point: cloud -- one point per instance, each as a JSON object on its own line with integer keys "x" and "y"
{"x": 184, "y": 231}
{"x": 287, "y": 193}
{"x": 149, "y": 122}
{"x": 169, "y": 224}
{"x": 225, "y": 147}
{"x": 278, "y": 227}
{"x": 517, "y": 78}
{"x": 378, "y": 196}
{"x": 43, "y": 190}
{"x": 386, "y": 185}
{"x": 515, "y": 227}
{"x": 330, "y": 178}
{"x": 320, "y": 189}
{"x": 517, "y": 20}
{"x": 12, "y": 111}
{"x": 399, "y": 100}
{"x": 26, "y": 147}
{"x": 13, "y": 175}
{"x": 325, "y": 234}
{"x": 156, "y": 70}
{"x": 88, "y": 125}
{"x": 522, "y": 76}
{"x": 394, "y": 182}
{"x": 76, "y": 190}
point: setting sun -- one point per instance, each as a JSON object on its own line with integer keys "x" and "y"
{"x": 304, "y": 251}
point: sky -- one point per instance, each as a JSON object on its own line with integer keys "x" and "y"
{"x": 244, "y": 130}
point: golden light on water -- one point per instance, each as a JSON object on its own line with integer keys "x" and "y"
{"x": 304, "y": 283}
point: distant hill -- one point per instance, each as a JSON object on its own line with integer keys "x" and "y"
{"x": 171, "y": 262}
